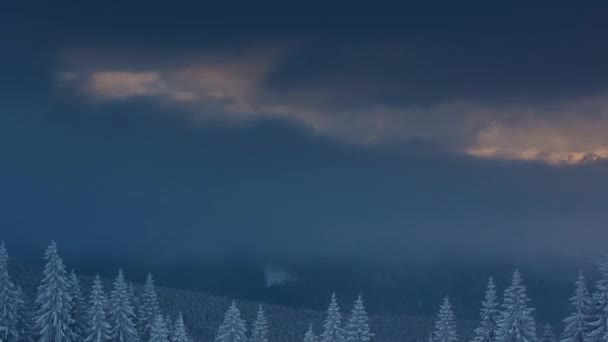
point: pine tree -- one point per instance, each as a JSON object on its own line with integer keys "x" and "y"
{"x": 332, "y": 328}
{"x": 575, "y": 324}
{"x": 516, "y": 323}
{"x": 598, "y": 319}
{"x": 122, "y": 315}
{"x": 601, "y": 304}
{"x": 78, "y": 308}
{"x": 548, "y": 334}
{"x": 134, "y": 300}
{"x": 233, "y": 328}
{"x": 158, "y": 330}
{"x": 259, "y": 332}
{"x": 54, "y": 303}
{"x": 138, "y": 309}
{"x": 98, "y": 328}
{"x": 310, "y": 335}
{"x": 168, "y": 325}
{"x": 357, "y": 327}
{"x": 486, "y": 332}
{"x": 10, "y": 302}
{"x": 27, "y": 318}
{"x": 445, "y": 327}
{"x": 149, "y": 308}
{"x": 179, "y": 330}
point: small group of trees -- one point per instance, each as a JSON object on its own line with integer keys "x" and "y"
{"x": 356, "y": 329}
{"x": 60, "y": 312}
{"x": 512, "y": 321}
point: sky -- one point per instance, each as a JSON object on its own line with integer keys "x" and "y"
{"x": 300, "y": 132}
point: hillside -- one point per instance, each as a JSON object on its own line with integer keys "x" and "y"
{"x": 203, "y": 313}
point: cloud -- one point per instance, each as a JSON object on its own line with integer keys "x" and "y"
{"x": 236, "y": 87}
{"x": 122, "y": 84}
{"x": 553, "y": 143}
{"x": 567, "y": 132}
{"x": 230, "y": 83}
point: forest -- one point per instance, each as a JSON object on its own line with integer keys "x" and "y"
{"x": 59, "y": 305}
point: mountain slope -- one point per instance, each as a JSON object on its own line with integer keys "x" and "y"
{"x": 204, "y": 312}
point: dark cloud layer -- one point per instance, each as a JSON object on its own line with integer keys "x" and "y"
{"x": 182, "y": 131}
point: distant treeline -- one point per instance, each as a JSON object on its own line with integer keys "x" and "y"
{"x": 57, "y": 310}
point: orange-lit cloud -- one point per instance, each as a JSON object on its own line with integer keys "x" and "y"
{"x": 565, "y": 132}
{"x": 569, "y": 132}
{"x": 124, "y": 84}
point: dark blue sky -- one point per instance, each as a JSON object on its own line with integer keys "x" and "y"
{"x": 359, "y": 132}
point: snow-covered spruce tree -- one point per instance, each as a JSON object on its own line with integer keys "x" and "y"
{"x": 121, "y": 312}
{"x": 597, "y": 325}
{"x": 98, "y": 328}
{"x": 138, "y": 310}
{"x": 149, "y": 308}
{"x": 168, "y": 324}
{"x": 259, "y": 331}
{"x": 233, "y": 328}
{"x": 78, "y": 308}
{"x": 310, "y": 336}
{"x": 10, "y": 301}
{"x": 486, "y": 332}
{"x": 135, "y": 301}
{"x": 516, "y": 323}
{"x": 357, "y": 326}
{"x": 445, "y": 327}
{"x": 548, "y": 334}
{"x": 27, "y": 318}
{"x": 54, "y": 314}
{"x": 332, "y": 328}
{"x": 575, "y": 324}
{"x": 179, "y": 333}
{"x": 158, "y": 330}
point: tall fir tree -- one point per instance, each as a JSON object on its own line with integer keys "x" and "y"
{"x": 27, "y": 318}
{"x": 78, "y": 308}
{"x": 445, "y": 327}
{"x": 54, "y": 314}
{"x": 149, "y": 307}
{"x": 158, "y": 330}
{"x": 486, "y": 332}
{"x": 233, "y": 328}
{"x": 310, "y": 336}
{"x": 575, "y": 329}
{"x": 135, "y": 301}
{"x": 259, "y": 332}
{"x": 121, "y": 312}
{"x": 597, "y": 325}
{"x": 179, "y": 332}
{"x": 138, "y": 310}
{"x": 516, "y": 323}
{"x": 168, "y": 324}
{"x": 98, "y": 328}
{"x": 10, "y": 302}
{"x": 332, "y": 328}
{"x": 357, "y": 326}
